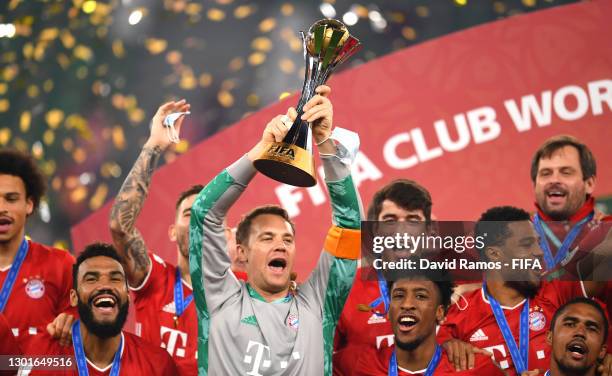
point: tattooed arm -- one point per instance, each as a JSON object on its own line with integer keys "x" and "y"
{"x": 130, "y": 199}
{"x": 126, "y": 209}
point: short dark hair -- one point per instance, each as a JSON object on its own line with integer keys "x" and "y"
{"x": 16, "y": 163}
{"x": 587, "y": 161}
{"x": 405, "y": 193}
{"x": 494, "y": 223}
{"x": 587, "y": 301}
{"x": 94, "y": 250}
{"x": 243, "y": 229}
{"x": 442, "y": 281}
{"x": 193, "y": 190}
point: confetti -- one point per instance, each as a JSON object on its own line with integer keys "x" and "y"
{"x": 24, "y": 121}
{"x": 225, "y": 98}
{"x": 156, "y": 46}
{"x": 54, "y": 118}
{"x": 4, "y": 105}
{"x": 243, "y": 11}
{"x": 267, "y": 25}
{"x": 262, "y": 44}
{"x": 215, "y": 14}
{"x": 256, "y": 58}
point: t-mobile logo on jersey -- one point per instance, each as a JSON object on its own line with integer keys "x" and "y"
{"x": 390, "y": 339}
{"x": 500, "y": 355}
{"x": 173, "y": 336}
{"x": 259, "y": 360}
{"x": 496, "y": 350}
{"x": 262, "y": 358}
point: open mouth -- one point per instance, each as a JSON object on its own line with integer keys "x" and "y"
{"x": 407, "y": 322}
{"x": 277, "y": 264}
{"x": 577, "y": 350}
{"x": 104, "y": 303}
{"x": 556, "y": 195}
{"x": 5, "y": 222}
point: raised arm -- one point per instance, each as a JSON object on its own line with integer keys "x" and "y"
{"x": 330, "y": 282}
{"x": 337, "y": 263}
{"x": 212, "y": 280}
{"x": 130, "y": 199}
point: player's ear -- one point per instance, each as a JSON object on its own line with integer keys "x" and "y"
{"x": 29, "y": 206}
{"x": 603, "y": 352}
{"x": 242, "y": 252}
{"x": 549, "y": 338}
{"x": 589, "y": 185}
{"x": 493, "y": 253}
{"x": 440, "y": 314}
{"x": 172, "y": 233}
{"x": 74, "y": 299}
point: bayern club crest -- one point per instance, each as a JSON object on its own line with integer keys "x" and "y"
{"x": 537, "y": 321}
{"x": 293, "y": 321}
{"x": 35, "y": 288}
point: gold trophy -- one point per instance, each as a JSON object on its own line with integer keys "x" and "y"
{"x": 327, "y": 44}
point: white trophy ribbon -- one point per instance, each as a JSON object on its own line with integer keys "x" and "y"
{"x": 169, "y": 121}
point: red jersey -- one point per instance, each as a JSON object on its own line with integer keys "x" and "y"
{"x": 471, "y": 320}
{"x": 590, "y": 236}
{"x": 358, "y": 331}
{"x": 137, "y": 358}
{"x": 41, "y": 291}
{"x": 155, "y": 313}
{"x": 374, "y": 362}
{"x": 8, "y": 345}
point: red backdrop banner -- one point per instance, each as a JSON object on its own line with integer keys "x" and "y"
{"x": 462, "y": 115}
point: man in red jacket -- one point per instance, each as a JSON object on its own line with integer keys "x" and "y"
{"x": 577, "y": 335}
{"x": 99, "y": 345}
{"x": 35, "y": 279}
{"x": 418, "y": 302}
{"x": 563, "y": 172}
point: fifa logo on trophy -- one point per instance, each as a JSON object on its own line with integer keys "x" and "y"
{"x": 327, "y": 44}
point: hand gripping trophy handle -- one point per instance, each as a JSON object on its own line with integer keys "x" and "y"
{"x": 326, "y": 45}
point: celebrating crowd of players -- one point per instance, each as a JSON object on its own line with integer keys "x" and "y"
{"x": 230, "y": 306}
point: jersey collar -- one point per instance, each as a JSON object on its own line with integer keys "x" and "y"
{"x": 586, "y": 209}
{"x": 484, "y": 298}
{"x": 255, "y": 295}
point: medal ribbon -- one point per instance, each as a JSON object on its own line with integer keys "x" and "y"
{"x": 180, "y": 302}
{"x": 7, "y": 286}
{"x": 563, "y": 249}
{"x": 384, "y": 296}
{"x": 431, "y": 367}
{"x": 79, "y": 353}
{"x": 519, "y": 358}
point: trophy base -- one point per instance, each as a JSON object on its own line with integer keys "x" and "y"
{"x": 287, "y": 163}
